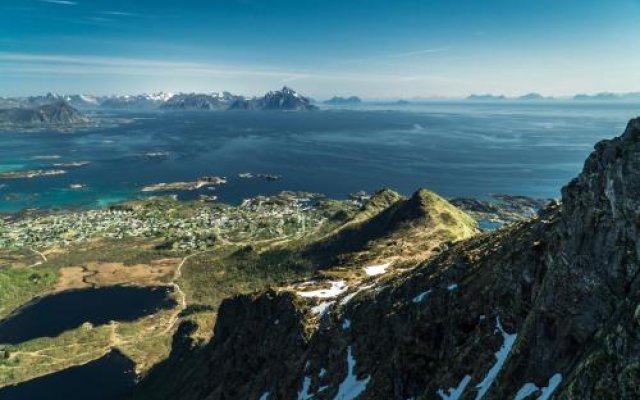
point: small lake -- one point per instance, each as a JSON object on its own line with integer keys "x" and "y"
{"x": 54, "y": 314}
{"x": 108, "y": 378}
{"x": 487, "y": 225}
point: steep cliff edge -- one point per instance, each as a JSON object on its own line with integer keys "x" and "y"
{"x": 547, "y": 308}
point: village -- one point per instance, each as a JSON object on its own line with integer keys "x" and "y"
{"x": 186, "y": 226}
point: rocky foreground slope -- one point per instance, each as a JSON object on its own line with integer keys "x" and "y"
{"x": 542, "y": 309}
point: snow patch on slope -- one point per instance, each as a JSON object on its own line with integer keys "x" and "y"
{"x": 455, "y": 393}
{"x": 351, "y": 387}
{"x": 421, "y": 296}
{"x": 346, "y": 299}
{"x": 546, "y": 392}
{"x": 337, "y": 287}
{"x": 551, "y": 387}
{"x": 527, "y": 390}
{"x": 501, "y": 357}
{"x": 378, "y": 269}
{"x": 304, "y": 393}
{"x": 322, "y": 308}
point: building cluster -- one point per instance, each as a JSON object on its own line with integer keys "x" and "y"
{"x": 181, "y": 226}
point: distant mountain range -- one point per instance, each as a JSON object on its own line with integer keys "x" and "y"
{"x": 57, "y": 113}
{"x": 195, "y": 101}
{"x": 604, "y": 96}
{"x": 486, "y": 97}
{"x": 343, "y": 101}
{"x": 63, "y": 110}
{"x": 534, "y": 96}
{"x": 16, "y": 110}
{"x": 285, "y": 99}
{"x": 609, "y": 96}
{"x": 143, "y": 101}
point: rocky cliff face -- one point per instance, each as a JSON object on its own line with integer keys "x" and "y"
{"x": 548, "y": 308}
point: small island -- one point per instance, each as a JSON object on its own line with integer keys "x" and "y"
{"x": 195, "y": 185}
{"x": 266, "y": 177}
{"x": 533, "y": 97}
{"x": 486, "y": 97}
{"x": 77, "y": 186}
{"x": 72, "y": 164}
{"x": 31, "y": 173}
{"x": 343, "y": 101}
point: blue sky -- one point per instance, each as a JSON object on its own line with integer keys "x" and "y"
{"x": 371, "y": 48}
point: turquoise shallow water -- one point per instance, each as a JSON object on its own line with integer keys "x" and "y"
{"x": 8, "y": 167}
{"x": 457, "y": 149}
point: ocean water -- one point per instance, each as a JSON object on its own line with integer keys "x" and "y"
{"x": 454, "y": 148}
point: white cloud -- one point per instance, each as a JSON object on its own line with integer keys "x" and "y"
{"x": 87, "y": 65}
{"x": 60, "y": 2}
{"x": 120, "y": 13}
{"x": 84, "y": 72}
{"x": 417, "y": 52}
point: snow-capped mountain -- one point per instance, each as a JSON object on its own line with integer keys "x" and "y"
{"x": 141, "y": 101}
{"x": 199, "y": 101}
{"x": 286, "y": 99}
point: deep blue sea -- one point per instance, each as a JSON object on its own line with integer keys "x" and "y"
{"x": 454, "y": 148}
